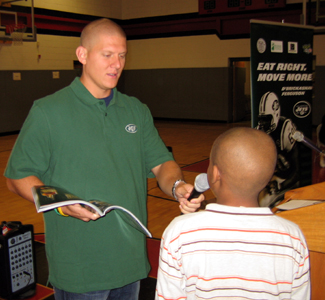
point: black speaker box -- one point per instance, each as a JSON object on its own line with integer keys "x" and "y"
{"x": 17, "y": 261}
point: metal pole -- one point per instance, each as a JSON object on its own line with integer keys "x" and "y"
{"x": 33, "y": 21}
{"x": 304, "y": 10}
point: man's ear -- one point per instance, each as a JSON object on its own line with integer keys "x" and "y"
{"x": 81, "y": 53}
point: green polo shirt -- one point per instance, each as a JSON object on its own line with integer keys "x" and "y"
{"x": 72, "y": 140}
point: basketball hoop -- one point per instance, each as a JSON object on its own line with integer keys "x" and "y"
{"x": 16, "y": 33}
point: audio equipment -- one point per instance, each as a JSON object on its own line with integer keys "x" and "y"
{"x": 300, "y": 137}
{"x": 17, "y": 260}
{"x": 201, "y": 185}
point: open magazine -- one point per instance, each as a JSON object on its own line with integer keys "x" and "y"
{"x": 50, "y": 197}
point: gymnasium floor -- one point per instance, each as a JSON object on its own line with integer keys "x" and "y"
{"x": 190, "y": 143}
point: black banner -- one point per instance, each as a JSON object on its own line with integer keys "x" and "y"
{"x": 282, "y": 88}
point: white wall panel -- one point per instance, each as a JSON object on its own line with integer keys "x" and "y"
{"x": 104, "y": 8}
{"x": 132, "y": 9}
{"x": 179, "y": 52}
{"x": 185, "y": 52}
{"x": 56, "y": 52}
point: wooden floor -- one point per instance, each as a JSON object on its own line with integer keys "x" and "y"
{"x": 191, "y": 143}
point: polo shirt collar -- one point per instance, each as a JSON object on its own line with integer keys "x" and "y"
{"x": 215, "y": 207}
{"x": 86, "y": 97}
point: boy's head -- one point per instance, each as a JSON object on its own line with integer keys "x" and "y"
{"x": 242, "y": 162}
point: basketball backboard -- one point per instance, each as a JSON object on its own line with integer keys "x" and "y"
{"x": 17, "y": 21}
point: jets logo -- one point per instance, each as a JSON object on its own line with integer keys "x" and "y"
{"x": 302, "y": 109}
{"x": 275, "y": 105}
{"x": 261, "y": 45}
{"x": 131, "y": 128}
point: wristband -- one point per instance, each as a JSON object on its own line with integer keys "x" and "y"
{"x": 60, "y": 212}
{"x": 56, "y": 210}
{"x": 176, "y": 183}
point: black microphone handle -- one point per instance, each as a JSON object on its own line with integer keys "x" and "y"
{"x": 194, "y": 194}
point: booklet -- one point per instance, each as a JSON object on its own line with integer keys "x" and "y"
{"x": 50, "y": 197}
{"x": 294, "y": 204}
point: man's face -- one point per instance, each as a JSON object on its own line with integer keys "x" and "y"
{"x": 103, "y": 64}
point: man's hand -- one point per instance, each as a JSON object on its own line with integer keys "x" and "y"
{"x": 166, "y": 174}
{"x": 22, "y": 187}
{"x": 183, "y": 191}
{"x": 79, "y": 212}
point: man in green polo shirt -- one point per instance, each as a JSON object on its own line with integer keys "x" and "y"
{"x": 99, "y": 144}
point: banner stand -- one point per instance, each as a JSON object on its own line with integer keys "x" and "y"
{"x": 281, "y": 100}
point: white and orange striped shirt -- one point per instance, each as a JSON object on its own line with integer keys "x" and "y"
{"x": 230, "y": 252}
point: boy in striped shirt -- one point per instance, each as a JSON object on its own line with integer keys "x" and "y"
{"x": 235, "y": 249}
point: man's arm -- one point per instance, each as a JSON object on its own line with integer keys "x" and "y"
{"x": 23, "y": 188}
{"x": 167, "y": 174}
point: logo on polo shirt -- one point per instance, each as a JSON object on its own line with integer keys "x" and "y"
{"x": 131, "y": 128}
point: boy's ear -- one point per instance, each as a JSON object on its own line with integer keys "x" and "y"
{"x": 81, "y": 53}
{"x": 215, "y": 174}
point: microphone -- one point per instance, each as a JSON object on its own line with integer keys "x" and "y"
{"x": 300, "y": 137}
{"x": 201, "y": 185}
